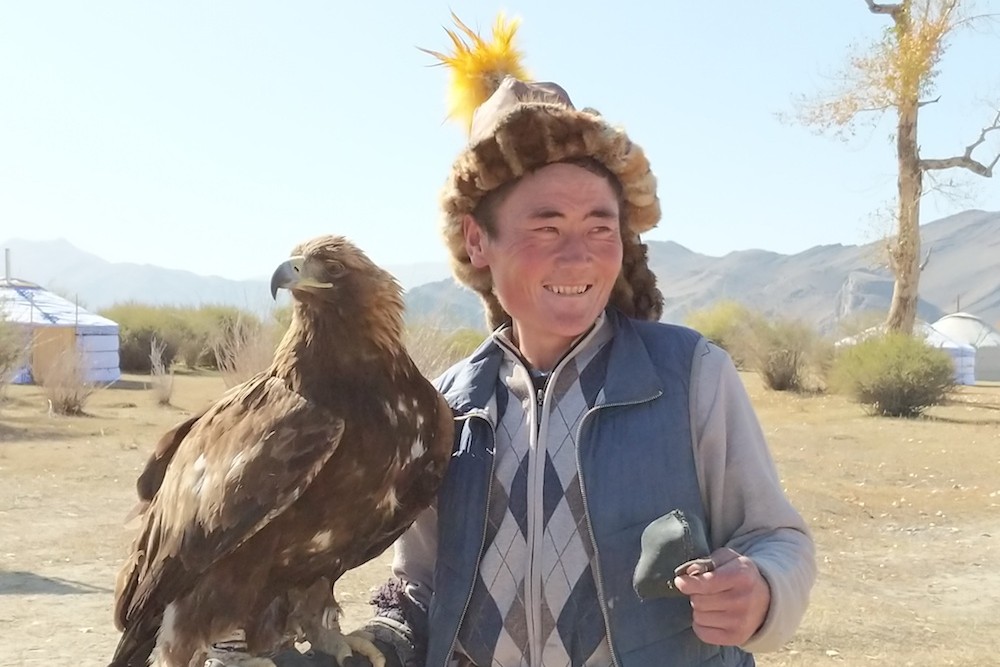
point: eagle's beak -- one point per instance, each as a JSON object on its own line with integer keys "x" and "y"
{"x": 287, "y": 275}
{"x": 291, "y": 274}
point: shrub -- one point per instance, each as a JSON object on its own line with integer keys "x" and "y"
{"x": 161, "y": 374}
{"x": 64, "y": 384}
{"x": 729, "y": 325}
{"x": 209, "y": 324}
{"x": 138, "y": 325}
{"x": 782, "y": 351}
{"x": 243, "y": 348}
{"x": 190, "y": 335}
{"x": 894, "y": 375}
{"x": 13, "y": 351}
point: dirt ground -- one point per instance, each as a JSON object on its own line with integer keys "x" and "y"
{"x": 906, "y": 515}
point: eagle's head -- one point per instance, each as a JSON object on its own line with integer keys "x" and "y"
{"x": 331, "y": 277}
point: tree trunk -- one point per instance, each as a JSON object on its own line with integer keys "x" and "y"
{"x": 904, "y": 252}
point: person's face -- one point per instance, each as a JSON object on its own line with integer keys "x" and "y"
{"x": 554, "y": 256}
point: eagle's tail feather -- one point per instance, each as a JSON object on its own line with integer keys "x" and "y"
{"x": 136, "y": 645}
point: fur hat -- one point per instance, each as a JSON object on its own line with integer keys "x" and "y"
{"x": 523, "y": 126}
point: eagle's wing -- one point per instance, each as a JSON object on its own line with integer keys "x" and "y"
{"x": 240, "y": 465}
{"x": 151, "y": 478}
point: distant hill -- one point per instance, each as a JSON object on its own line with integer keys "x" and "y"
{"x": 70, "y": 272}
{"x": 822, "y": 285}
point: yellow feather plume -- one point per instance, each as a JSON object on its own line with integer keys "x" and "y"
{"x": 478, "y": 66}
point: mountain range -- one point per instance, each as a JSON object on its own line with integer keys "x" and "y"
{"x": 823, "y": 285}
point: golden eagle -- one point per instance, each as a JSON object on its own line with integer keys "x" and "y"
{"x": 254, "y": 508}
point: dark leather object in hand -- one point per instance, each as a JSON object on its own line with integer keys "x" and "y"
{"x": 670, "y": 545}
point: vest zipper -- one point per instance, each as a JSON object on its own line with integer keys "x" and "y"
{"x": 482, "y": 539}
{"x": 533, "y": 593}
{"x": 598, "y": 578}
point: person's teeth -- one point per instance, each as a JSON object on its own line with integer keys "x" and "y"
{"x": 568, "y": 289}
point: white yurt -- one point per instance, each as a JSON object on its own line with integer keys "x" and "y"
{"x": 54, "y": 326}
{"x": 969, "y": 329}
{"x": 963, "y": 356}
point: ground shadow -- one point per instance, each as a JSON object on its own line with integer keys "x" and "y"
{"x": 973, "y": 404}
{"x": 961, "y": 420}
{"x": 28, "y": 583}
{"x": 13, "y": 431}
{"x": 130, "y": 385}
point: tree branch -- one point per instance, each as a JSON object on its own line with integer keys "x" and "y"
{"x": 927, "y": 259}
{"x": 926, "y": 102}
{"x": 876, "y": 8}
{"x": 966, "y": 161}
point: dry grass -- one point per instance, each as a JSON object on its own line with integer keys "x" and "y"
{"x": 64, "y": 384}
{"x": 162, "y": 377}
{"x": 13, "y": 352}
{"x": 244, "y": 349}
{"x": 906, "y": 515}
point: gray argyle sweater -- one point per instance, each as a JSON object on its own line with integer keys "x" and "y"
{"x": 535, "y": 600}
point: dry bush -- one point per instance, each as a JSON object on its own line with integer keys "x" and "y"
{"x": 64, "y": 384}
{"x": 161, "y": 375}
{"x": 138, "y": 325}
{"x": 782, "y": 352}
{"x": 434, "y": 349}
{"x": 244, "y": 348}
{"x": 13, "y": 352}
{"x": 895, "y": 375}
{"x": 728, "y": 324}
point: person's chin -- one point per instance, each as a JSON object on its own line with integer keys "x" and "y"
{"x": 573, "y": 321}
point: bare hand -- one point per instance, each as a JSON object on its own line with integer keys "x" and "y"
{"x": 730, "y": 602}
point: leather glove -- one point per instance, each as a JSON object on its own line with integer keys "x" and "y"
{"x": 672, "y": 545}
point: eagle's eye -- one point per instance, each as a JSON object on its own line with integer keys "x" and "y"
{"x": 335, "y": 269}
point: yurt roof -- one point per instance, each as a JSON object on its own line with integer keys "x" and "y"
{"x": 24, "y": 302}
{"x": 968, "y": 328}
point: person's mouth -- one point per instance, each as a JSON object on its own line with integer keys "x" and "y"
{"x": 568, "y": 290}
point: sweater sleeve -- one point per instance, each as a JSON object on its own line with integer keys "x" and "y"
{"x": 415, "y": 556}
{"x": 745, "y": 505}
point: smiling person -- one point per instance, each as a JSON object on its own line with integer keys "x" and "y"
{"x": 610, "y": 500}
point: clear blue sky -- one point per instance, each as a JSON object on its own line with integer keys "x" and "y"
{"x": 213, "y": 136}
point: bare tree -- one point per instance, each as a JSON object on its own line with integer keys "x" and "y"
{"x": 898, "y": 72}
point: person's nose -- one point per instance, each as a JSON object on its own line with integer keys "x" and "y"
{"x": 574, "y": 249}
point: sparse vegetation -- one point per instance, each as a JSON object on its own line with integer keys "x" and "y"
{"x": 245, "y": 347}
{"x": 13, "y": 349}
{"x": 894, "y": 375}
{"x": 161, "y": 373}
{"x": 193, "y": 336}
{"x": 139, "y": 325}
{"x": 781, "y": 352}
{"x": 64, "y": 384}
{"x": 728, "y": 324}
{"x": 434, "y": 349}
